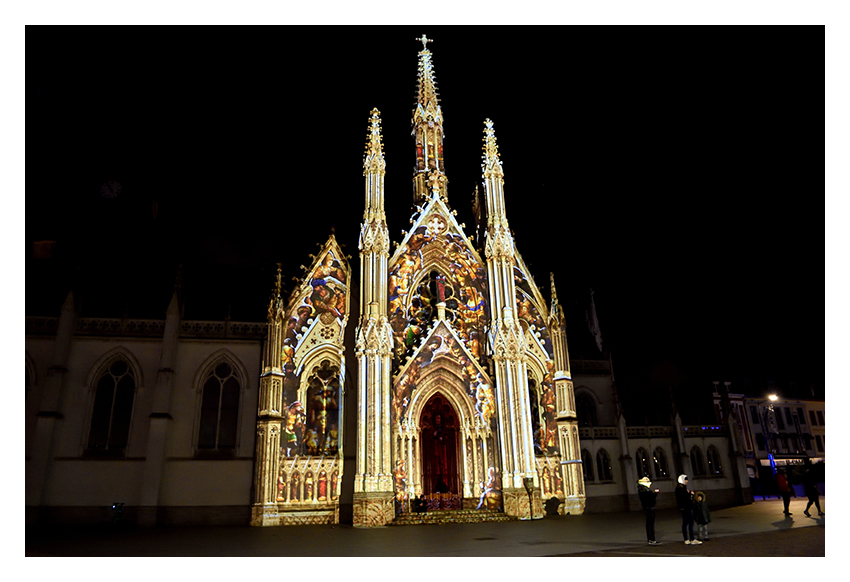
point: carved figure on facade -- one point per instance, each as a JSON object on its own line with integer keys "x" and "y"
{"x": 442, "y": 343}
{"x": 491, "y": 491}
{"x": 293, "y": 431}
{"x": 459, "y": 285}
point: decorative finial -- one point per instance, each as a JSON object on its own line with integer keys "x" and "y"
{"x": 374, "y": 156}
{"x": 277, "y": 284}
{"x": 492, "y": 164}
{"x": 424, "y": 40}
{"x": 554, "y": 293}
{"x": 275, "y": 301}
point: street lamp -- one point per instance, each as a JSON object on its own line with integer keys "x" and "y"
{"x": 769, "y": 428}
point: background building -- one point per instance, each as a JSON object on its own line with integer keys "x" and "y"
{"x": 778, "y": 431}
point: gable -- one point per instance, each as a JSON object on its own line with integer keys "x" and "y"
{"x": 437, "y": 263}
{"x": 442, "y": 348}
{"x": 317, "y": 312}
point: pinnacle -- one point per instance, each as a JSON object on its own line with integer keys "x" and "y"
{"x": 374, "y": 140}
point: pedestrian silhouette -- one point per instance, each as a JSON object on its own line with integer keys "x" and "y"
{"x": 701, "y": 515}
{"x": 647, "y": 500}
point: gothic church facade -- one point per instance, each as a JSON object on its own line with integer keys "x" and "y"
{"x": 463, "y": 387}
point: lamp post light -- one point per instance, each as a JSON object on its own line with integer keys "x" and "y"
{"x": 769, "y": 428}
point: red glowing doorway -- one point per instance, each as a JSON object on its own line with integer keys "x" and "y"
{"x": 438, "y": 427}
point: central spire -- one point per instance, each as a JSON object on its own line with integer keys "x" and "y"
{"x": 427, "y": 82}
{"x": 427, "y": 121}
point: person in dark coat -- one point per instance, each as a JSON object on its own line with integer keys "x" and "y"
{"x": 701, "y": 515}
{"x": 811, "y": 488}
{"x": 647, "y": 500}
{"x": 686, "y": 507}
{"x": 784, "y": 490}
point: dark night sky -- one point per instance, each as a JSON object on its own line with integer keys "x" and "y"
{"x": 678, "y": 172}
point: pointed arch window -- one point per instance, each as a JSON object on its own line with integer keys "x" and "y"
{"x": 112, "y": 409}
{"x": 697, "y": 462}
{"x": 714, "y": 465}
{"x": 642, "y": 461}
{"x": 321, "y": 435}
{"x": 219, "y": 409}
{"x": 587, "y": 465}
{"x": 603, "y": 465}
{"x": 585, "y": 410}
{"x": 659, "y": 463}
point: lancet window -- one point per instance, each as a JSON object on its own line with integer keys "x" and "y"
{"x": 113, "y": 408}
{"x": 219, "y": 408}
{"x": 322, "y": 417}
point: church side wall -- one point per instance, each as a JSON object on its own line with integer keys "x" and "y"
{"x": 196, "y": 487}
{"x": 616, "y": 495}
{"x": 192, "y": 355}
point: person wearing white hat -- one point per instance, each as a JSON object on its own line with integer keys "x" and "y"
{"x": 686, "y": 505}
{"x": 647, "y": 500}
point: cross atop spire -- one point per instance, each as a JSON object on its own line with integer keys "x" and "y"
{"x": 427, "y": 92}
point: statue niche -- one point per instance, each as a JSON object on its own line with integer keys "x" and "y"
{"x": 322, "y": 425}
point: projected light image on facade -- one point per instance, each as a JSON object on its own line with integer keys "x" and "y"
{"x": 462, "y": 391}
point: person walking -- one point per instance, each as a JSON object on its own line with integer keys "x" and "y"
{"x": 701, "y": 515}
{"x": 685, "y": 504}
{"x": 647, "y": 500}
{"x": 811, "y": 489}
{"x": 784, "y": 490}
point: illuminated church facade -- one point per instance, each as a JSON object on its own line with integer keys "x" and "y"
{"x": 439, "y": 370}
{"x": 463, "y": 388}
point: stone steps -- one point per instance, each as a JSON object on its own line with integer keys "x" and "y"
{"x": 451, "y": 516}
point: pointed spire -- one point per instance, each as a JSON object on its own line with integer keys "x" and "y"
{"x": 374, "y": 168}
{"x": 277, "y": 282}
{"x": 492, "y": 164}
{"x": 275, "y": 303}
{"x": 374, "y": 157}
{"x": 554, "y": 292}
{"x": 429, "y": 174}
{"x": 427, "y": 90}
{"x": 556, "y": 312}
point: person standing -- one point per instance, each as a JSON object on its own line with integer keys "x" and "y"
{"x": 784, "y": 490}
{"x": 685, "y": 504}
{"x": 701, "y": 515}
{"x": 810, "y": 486}
{"x": 647, "y": 500}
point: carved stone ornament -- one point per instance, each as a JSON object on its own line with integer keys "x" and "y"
{"x": 499, "y": 242}
{"x": 374, "y": 238}
{"x": 492, "y": 165}
{"x": 509, "y": 343}
{"x": 373, "y": 161}
{"x": 374, "y": 336}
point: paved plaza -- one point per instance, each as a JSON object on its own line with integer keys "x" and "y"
{"x": 756, "y": 530}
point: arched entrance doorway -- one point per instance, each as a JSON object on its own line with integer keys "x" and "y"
{"x": 438, "y": 426}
